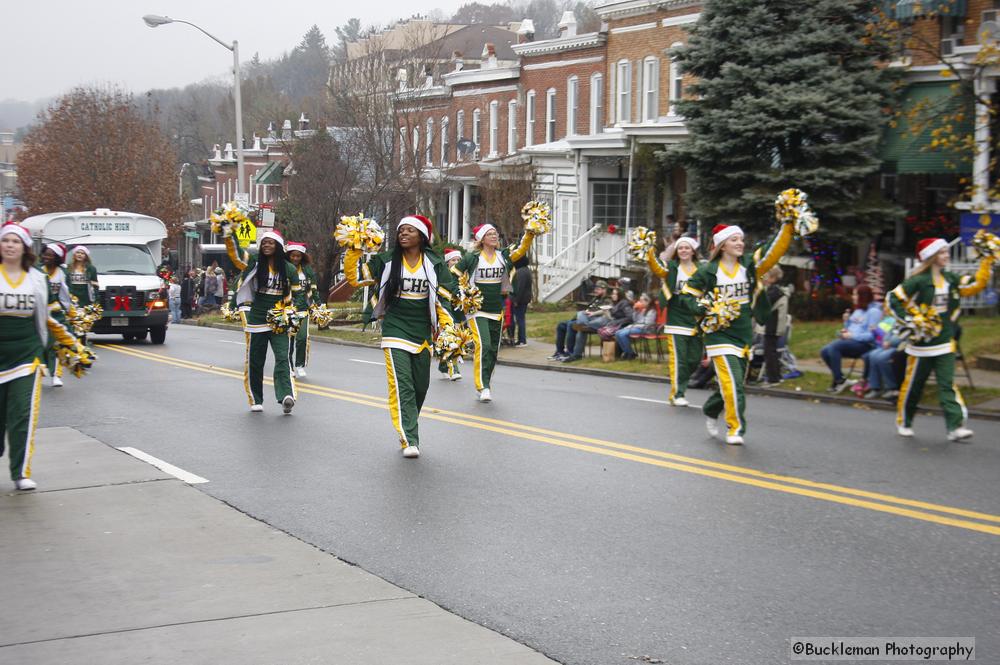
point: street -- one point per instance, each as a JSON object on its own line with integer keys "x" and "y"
{"x": 580, "y": 515}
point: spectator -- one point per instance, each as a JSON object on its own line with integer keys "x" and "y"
{"x": 619, "y": 313}
{"x": 856, "y": 338}
{"x": 174, "y": 300}
{"x": 220, "y": 286}
{"x": 210, "y": 285}
{"x": 643, "y": 321}
{"x": 187, "y": 293}
{"x": 565, "y": 331}
{"x": 880, "y": 373}
{"x": 522, "y": 284}
{"x": 772, "y": 334}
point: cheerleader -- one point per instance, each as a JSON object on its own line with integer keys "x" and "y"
{"x": 82, "y": 277}
{"x": 298, "y": 344}
{"x": 684, "y": 347}
{"x": 931, "y": 284}
{"x": 257, "y": 291}
{"x": 490, "y": 269}
{"x": 449, "y": 370}
{"x": 25, "y": 325}
{"x": 413, "y": 291}
{"x": 52, "y": 258}
{"x": 735, "y": 275}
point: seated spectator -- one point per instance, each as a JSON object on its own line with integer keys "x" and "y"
{"x": 880, "y": 373}
{"x": 643, "y": 321}
{"x": 619, "y": 312}
{"x": 856, "y": 338}
{"x": 565, "y": 331}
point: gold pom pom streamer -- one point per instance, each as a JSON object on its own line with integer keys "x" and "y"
{"x": 987, "y": 244}
{"x": 537, "y": 216}
{"x": 720, "y": 312}
{"x": 640, "y": 242}
{"x": 359, "y": 232}
{"x": 321, "y": 315}
{"x": 791, "y": 206}
{"x": 922, "y": 323}
{"x": 468, "y": 299}
{"x": 225, "y": 219}
{"x": 77, "y": 358}
{"x": 283, "y": 319}
{"x": 229, "y": 314}
{"x": 82, "y": 319}
{"x": 453, "y": 342}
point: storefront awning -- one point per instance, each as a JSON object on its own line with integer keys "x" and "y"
{"x": 909, "y": 9}
{"x": 912, "y": 153}
{"x": 270, "y": 175}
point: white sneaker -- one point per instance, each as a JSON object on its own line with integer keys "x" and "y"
{"x": 300, "y": 372}
{"x": 680, "y": 401}
{"x": 56, "y": 382}
{"x": 411, "y": 452}
{"x": 287, "y": 404}
{"x": 904, "y": 431}
{"x": 713, "y": 429}
{"x": 485, "y": 396}
{"x": 456, "y": 377}
{"x": 960, "y": 434}
{"x": 445, "y": 377}
{"x": 256, "y": 408}
{"x": 25, "y": 484}
{"x": 734, "y": 440}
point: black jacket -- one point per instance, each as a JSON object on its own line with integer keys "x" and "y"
{"x": 522, "y": 285}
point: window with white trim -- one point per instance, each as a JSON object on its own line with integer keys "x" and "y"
{"x": 494, "y": 127}
{"x": 511, "y": 126}
{"x": 529, "y": 119}
{"x": 550, "y": 115}
{"x": 650, "y": 88}
{"x": 596, "y": 104}
{"x": 475, "y": 131}
{"x": 459, "y": 134}
{"x": 623, "y": 95}
{"x": 676, "y": 83}
{"x": 445, "y": 141}
{"x": 572, "y": 104}
{"x": 416, "y": 146}
{"x": 402, "y": 147}
{"x": 429, "y": 148}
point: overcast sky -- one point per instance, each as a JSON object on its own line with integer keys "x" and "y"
{"x": 52, "y": 45}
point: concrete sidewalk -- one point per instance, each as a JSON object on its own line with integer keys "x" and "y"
{"x": 113, "y": 561}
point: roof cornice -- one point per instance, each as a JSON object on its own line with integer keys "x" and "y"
{"x": 481, "y": 75}
{"x": 587, "y": 40}
{"x": 624, "y": 8}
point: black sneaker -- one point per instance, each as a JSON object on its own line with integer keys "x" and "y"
{"x": 872, "y": 393}
{"x": 558, "y": 355}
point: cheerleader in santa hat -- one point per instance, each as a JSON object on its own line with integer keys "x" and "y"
{"x": 412, "y": 298}
{"x": 82, "y": 277}
{"x": 734, "y": 274}
{"x": 490, "y": 269}
{"x": 51, "y": 264}
{"x": 931, "y": 285}
{"x": 306, "y": 296}
{"x": 449, "y": 370}
{"x": 267, "y": 280}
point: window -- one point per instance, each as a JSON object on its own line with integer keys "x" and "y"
{"x": 608, "y": 201}
{"x": 475, "y": 131}
{"x": 529, "y": 119}
{"x": 445, "y": 141}
{"x": 429, "y": 147}
{"x": 512, "y": 126}
{"x": 416, "y": 146}
{"x": 650, "y": 88}
{"x": 402, "y": 146}
{"x": 459, "y": 134}
{"x": 494, "y": 127}
{"x": 676, "y": 84}
{"x": 550, "y": 115}
{"x": 623, "y": 105}
{"x": 596, "y": 104}
{"x": 572, "y": 104}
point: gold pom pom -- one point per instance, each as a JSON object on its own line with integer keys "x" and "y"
{"x": 922, "y": 323}
{"x": 987, "y": 244}
{"x": 76, "y": 357}
{"x": 640, "y": 242}
{"x": 229, "y": 314}
{"x": 468, "y": 299}
{"x": 225, "y": 219}
{"x": 453, "y": 342}
{"x": 537, "y": 216}
{"x": 82, "y": 319}
{"x": 321, "y": 315}
{"x": 791, "y": 207}
{"x": 359, "y": 232}
{"x": 283, "y": 319}
{"x": 720, "y": 312}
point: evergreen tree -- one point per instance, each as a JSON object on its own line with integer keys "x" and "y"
{"x": 785, "y": 94}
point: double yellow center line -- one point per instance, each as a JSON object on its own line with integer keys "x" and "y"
{"x": 885, "y": 503}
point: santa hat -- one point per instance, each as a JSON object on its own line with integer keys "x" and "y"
{"x": 57, "y": 248}
{"x": 689, "y": 241}
{"x": 82, "y": 248}
{"x": 273, "y": 235}
{"x": 721, "y": 233}
{"x": 295, "y": 247}
{"x": 928, "y": 247}
{"x": 450, "y": 254}
{"x": 420, "y": 223}
{"x": 481, "y": 230}
{"x": 18, "y": 230}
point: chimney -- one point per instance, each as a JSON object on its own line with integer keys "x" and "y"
{"x": 256, "y": 142}
{"x": 428, "y": 77}
{"x": 217, "y": 156}
{"x": 489, "y": 57}
{"x": 526, "y": 33}
{"x": 303, "y": 122}
{"x": 286, "y": 131}
{"x": 229, "y": 156}
{"x": 401, "y": 77}
{"x": 567, "y": 24}
{"x": 456, "y": 58}
{"x": 272, "y": 131}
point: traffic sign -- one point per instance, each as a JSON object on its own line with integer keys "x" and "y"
{"x": 246, "y": 233}
{"x": 192, "y": 234}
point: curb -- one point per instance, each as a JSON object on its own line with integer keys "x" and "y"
{"x": 819, "y": 398}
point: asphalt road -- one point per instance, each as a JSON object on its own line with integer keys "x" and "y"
{"x": 580, "y": 515}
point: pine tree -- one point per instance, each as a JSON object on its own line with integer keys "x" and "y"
{"x": 873, "y": 273}
{"x": 785, "y": 94}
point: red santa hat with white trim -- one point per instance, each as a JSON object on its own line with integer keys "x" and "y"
{"x": 481, "y": 230}
{"x": 928, "y": 247}
{"x": 295, "y": 247}
{"x": 723, "y": 232}
{"x": 57, "y": 248}
{"x": 22, "y": 233}
{"x": 274, "y": 235}
{"x": 452, "y": 253}
{"x": 420, "y": 223}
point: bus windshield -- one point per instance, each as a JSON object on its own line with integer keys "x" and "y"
{"x": 121, "y": 260}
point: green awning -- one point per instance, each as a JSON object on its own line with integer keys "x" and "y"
{"x": 913, "y": 153}
{"x": 271, "y": 175}
{"x": 908, "y": 9}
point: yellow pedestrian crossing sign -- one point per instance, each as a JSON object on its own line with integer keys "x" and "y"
{"x": 246, "y": 233}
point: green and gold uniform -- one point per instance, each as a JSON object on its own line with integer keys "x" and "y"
{"x": 254, "y": 305}
{"x": 83, "y": 284}
{"x": 684, "y": 347}
{"x": 58, "y": 295}
{"x": 729, "y": 349}
{"x": 409, "y": 326}
{"x": 25, "y": 326}
{"x": 493, "y": 278}
{"x": 307, "y": 295}
{"x": 938, "y": 354}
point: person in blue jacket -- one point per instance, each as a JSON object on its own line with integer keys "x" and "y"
{"x": 856, "y": 338}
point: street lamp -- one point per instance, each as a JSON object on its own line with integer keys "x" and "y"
{"x": 153, "y": 21}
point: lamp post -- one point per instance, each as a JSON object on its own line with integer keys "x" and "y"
{"x": 153, "y": 21}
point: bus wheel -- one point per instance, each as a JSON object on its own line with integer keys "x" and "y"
{"x": 157, "y": 334}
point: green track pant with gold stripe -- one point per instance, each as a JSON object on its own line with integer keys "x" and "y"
{"x": 486, "y": 335}
{"x": 19, "y": 400}
{"x": 409, "y": 376}
{"x": 256, "y": 356}
{"x": 298, "y": 346}
{"x": 918, "y": 368}
{"x": 683, "y": 355}
{"x": 729, "y": 372}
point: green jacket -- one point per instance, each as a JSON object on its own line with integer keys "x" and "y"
{"x": 255, "y": 304}
{"x": 680, "y": 320}
{"x": 83, "y": 285}
{"x": 493, "y": 292}
{"x": 308, "y": 293}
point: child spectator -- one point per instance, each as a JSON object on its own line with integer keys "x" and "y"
{"x": 643, "y": 321}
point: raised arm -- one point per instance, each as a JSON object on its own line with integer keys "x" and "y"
{"x": 234, "y": 254}
{"x": 521, "y": 250}
{"x": 357, "y": 271}
{"x": 654, "y": 264}
{"x": 969, "y": 286}
{"x": 767, "y": 255}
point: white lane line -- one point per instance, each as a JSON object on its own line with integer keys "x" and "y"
{"x": 367, "y": 362}
{"x": 166, "y": 467}
{"x": 227, "y": 341}
{"x": 655, "y": 401}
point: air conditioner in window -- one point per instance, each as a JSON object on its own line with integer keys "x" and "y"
{"x": 948, "y": 46}
{"x": 990, "y": 15}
